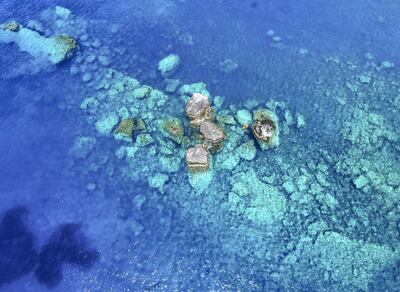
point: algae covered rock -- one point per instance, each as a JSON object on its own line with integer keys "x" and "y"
{"x": 144, "y": 139}
{"x": 168, "y": 65}
{"x": 125, "y": 127}
{"x": 172, "y": 128}
{"x": 63, "y": 47}
{"x": 265, "y": 128}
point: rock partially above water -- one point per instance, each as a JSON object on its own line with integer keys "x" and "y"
{"x": 197, "y": 158}
{"x": 211, "y": 132}
{"x": 265, "y": 128}
{"x": 198, "y": 108}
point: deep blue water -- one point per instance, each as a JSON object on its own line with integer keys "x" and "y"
{"x": 93, "y": 222}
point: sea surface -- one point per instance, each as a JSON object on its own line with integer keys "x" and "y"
{"x": 83, "y": 209}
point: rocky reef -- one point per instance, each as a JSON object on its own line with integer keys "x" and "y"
{"x": 54, "y": 49}
{"x": 320, "y": 210}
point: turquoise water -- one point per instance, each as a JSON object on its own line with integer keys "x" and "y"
{"x": 88, "y": 205}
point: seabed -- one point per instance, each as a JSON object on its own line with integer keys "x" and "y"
{"x": 315, "y": 208}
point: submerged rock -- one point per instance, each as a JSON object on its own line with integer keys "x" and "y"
{"x": 197, "y": 158}
{"x": 172, "y": 128}
{"x": 125, "y": 127}
{"x": 168, "y": 65}
{"x": 11, "y": 26}
{"x": 54, "y": 49}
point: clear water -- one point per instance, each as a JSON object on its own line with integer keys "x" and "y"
{"x": 318, "y": 213}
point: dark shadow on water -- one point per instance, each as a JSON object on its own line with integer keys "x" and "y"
{"x": 18, "y": 255}
{"x": 66, "y": 245}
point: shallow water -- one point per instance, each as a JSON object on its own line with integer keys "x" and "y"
{"x": 83, "y": 210}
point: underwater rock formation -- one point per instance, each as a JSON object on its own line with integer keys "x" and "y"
{"x": 168, "y": 65}
{"x": 125, "y": 128}
{"x": 11, "y": 26}
{"x": 172, "y": 128}
{"x": 54, "y": 49}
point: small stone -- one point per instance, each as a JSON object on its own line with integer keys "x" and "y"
{"x": 244, "y": 117}
{"x": 289, "y": 187}
{"x": 158, "y": 181}
{"x": 96, "y": 43}
{"x": 227, "y": 66}
{"x": 197, "y": 158}
{"x": 90, "y": 58}
{"x": 87, "y": 77}
{"x": 226, "y": 119}
{"x": 300, "y": 122}
{"x": 62, "y": 12}
{"x": 103, "y": 60}
{"x": 277, "y": 39}
{"x": 218, "y": 101}
{"x": 140, "y": 124}
{"x": 366, "y": 79}
{"x": 142, "y": 92}
{"x": 136, "y": 227}
{"x": 171, "y": 85}
{"x": 360, "y": 182}
{"x": 387, "y": 65}
{"x": 91, "y": 186}
{"x": 143, "y": 140}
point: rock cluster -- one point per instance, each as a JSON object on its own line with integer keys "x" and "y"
{"x": 199, "y": 111}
